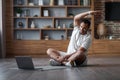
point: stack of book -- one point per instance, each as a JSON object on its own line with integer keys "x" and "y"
{"x": 72, "y": 2}
{"x": 85, "y": 2}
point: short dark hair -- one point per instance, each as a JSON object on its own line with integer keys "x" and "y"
{"x": 86, "y": 21}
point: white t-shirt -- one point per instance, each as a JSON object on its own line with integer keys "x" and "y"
{"x": 78, "y": 40}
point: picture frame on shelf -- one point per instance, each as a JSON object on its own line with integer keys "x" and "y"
{"x": 45, "y": 13}
{"x": 61, "y": 2}
{"x": 40, "y": 2}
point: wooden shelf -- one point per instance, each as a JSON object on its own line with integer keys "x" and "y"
{"x": 40, "y": 17}
{"x": 26, "y": 29}
{"x": 20, "y": 17}
{"x": 46, "y": 17}
{"x": 51, "y": 40}
{"x": 26, "y": 6}
{"x": 53, "y": 29}
{"x": 43, "y": 29}
{"x": 79, "y": 6}
{"x": 54, "y": 6}
{"x": 69, "y": 28}
{"x": 33, "y": 17}
{"x": 63, "y": 17}
{"x": 36, "y": 6}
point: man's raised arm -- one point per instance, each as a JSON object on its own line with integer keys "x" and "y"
{"x": 78, "y": 17}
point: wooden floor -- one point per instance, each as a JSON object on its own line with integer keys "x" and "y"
{"x": 100, "y": 67}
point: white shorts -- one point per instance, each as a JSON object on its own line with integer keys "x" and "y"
{"x": 62, "y": 53}
{"x": 65, "y": 53}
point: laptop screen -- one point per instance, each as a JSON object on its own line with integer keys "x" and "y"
{"x": 24, "y": 62}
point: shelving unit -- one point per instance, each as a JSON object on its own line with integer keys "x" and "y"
{"x": 33, "y": 43}
{"x": 24, "y": 40}
{"x": 54, "y": 25}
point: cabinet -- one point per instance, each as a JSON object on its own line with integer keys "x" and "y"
{"x": 100, "y": 46}
{"x": 52, "y": 21}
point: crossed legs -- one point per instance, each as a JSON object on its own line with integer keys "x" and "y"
{"x": 55, "y": 54}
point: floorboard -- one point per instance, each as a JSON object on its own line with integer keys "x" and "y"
{"x": 100, "y": 67}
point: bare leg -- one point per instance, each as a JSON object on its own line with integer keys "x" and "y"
{"x": 53, "y": 53}
{"x": 78, "y": 57}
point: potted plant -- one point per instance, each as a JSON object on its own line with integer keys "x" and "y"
{"x": 18, "y": 11}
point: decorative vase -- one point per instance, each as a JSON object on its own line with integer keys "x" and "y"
{"x": 51, "y": 2}
{"x": 32, "y": 25}
{"x": 62, "y": 37}
{"x": 101, "y": 31}
{"x": 64, "y": 26}
{"x": 18, "y": 14}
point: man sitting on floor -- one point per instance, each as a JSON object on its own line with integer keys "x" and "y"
{"x": 78, "y": 46}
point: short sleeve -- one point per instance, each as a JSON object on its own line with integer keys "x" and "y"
{"x": 75, "y": 27}
{"x": 86, "y": 44}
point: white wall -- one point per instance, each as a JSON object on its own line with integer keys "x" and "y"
{"x": 2, "y": 28}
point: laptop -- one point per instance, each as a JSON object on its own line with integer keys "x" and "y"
{"x": 25, "y": 62}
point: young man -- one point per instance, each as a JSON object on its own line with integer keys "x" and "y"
{"x": 79, "y": 43}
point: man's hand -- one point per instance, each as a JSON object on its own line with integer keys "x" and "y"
{"x": 80, "y": 16}
{"x": 61, "y": 59}
{"x": 95, "y": 12}
{"x": 66, "y": 57}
